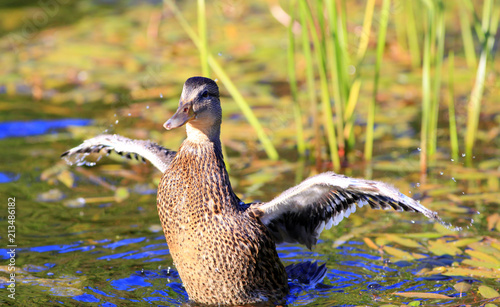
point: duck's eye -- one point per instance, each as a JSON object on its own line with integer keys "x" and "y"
{"x": 204, "y": 94}
{"x": 186, "y": 109}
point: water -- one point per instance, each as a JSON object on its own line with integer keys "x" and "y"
{"x": 139, "y": 269}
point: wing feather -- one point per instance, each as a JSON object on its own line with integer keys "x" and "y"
{"x": 141, "y": 150}
{"x": 300, "y": 213}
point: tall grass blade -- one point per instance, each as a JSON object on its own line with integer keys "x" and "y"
{"x": 311, "y": 91}
{"x": 412, "y": 34}
{"x": 384, "y": 19}
{"x": 439, "y": 55}
{"x": 334, "y": 60}
{"x": 350, "y": 107}
{"x": 202, "y": 32}
{"x": 365, "y": 32}
{"x": 426, "y": 89}
{"x": 466, "y": 30}
{"x": 224, "y": 78}
{"x": 325, "y": 95}
{"x": 474, "y": 106}
{"x": 451, "y": 107}
{"x": 292, "y": 79}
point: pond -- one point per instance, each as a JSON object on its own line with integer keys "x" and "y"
{"x": 89, "y": 234}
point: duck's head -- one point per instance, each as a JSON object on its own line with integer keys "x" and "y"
{"x": 199, "y": 106}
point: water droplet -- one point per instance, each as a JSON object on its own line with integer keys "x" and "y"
{"x": 351, "y": 69}
{"x": 409, "y": 192}
{"x": 413, "y": 222}
{"x": 219, "y": 54}
{"x": 116, "y": 122}
{"x": 463, "y": 155}
{"x": 419, "y": 149}
{"x": 161, "y": 95}
{"x": 418, "y": 184}
{"x": 129, "y": 114}
{"x": 114, "y": 115}
{"x": 452, "y": 160}
{"x": 441, "y": 173}
{"x": 453, "y": 178}
{"x": 147, "y": 107}
{"x": 473, "y": 157}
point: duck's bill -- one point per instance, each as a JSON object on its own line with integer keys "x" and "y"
{"x": 182, "y": 115}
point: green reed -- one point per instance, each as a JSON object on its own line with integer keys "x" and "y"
{"x": 468, "y": 41}
{"x": 438, "y": 65}
{"x": 451, "y": 107}
{"x": 487, "y": 27}
{"x": 384, "y": 19}
{"x": 412, "y": 33}
{"x": 297, "y": 112}
{"x": 203, "y": 42}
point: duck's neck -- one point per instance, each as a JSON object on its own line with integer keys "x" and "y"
{"x": 200, "y": 134}
{"x": 201, "y": 158}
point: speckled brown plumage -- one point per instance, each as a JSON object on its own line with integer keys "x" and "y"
{"x": 223, "y": 254}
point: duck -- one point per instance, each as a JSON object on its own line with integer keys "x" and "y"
{"x": 224, "y": 249}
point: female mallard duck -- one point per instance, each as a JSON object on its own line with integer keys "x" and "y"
{"x": 223, "y": 249}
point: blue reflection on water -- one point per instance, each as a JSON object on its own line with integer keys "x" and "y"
{"x": 124, "y": 242}
{"x": 38, "y": 126}
{"x": 8, "y": 177}
{"x": 87, "y": 298}
{"x": 130, "y": 283}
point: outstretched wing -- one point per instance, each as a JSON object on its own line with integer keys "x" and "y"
{"x": 159, "y": 156}
{"x": 300, "y": 213}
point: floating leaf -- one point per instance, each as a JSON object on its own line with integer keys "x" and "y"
{"x": 465, "y": 242}
{"x": 496, "y": 245}
{"x": 465, "y": 272}
{"x": 488, "y": 292}
{"x": 481, "y": 264}
{"x": 403, "y": 241}
{"x": 441, "y": 247}
{"x": 67, "y": 178}
{"x": 423, "y": 295}
{"x": 462, "y": 287}
{"x": 483, "y": 256}
{"x": 370, "y": 243}
{"x": 397, "y": 253}
{"x": 493, "y": 221}
{"x": 485, "y": 247}
{"x": 425, "y": 235}
{"x": 418, "y": 256}
{"x": 381, "y": 241}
